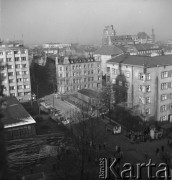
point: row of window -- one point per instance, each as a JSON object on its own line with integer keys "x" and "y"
{"x": 144, "y": 77}
{"x": 20, "y": 94}
{"x": 117, "y": 72}
{"x": 144, "y": 89}
{"x": 18, "y": 73}
{"x": 85, "y": 86}
{"x": 148, "y": 51}
{"x": 80, "y": 73}
{"x": 11, "y": 52}
{"x": 146, "y": 100}
{"x": 79, "y": 66}
{"x": 19, "y": 80}
{"x": 80, "y": 80}
{"x": 166, "y": 85}
{"x": 121, "y": 83}
{"x": 141, "y": 76}
{"x": 165, "y": 107}
{"x": 163, "y": 118}
{"x": 166, "y": 74}
{"x": 11, "y": 60}
{"x": 17, "y": 66}
{"x": 20, "y": 87}
{"x": 166, "y": 96}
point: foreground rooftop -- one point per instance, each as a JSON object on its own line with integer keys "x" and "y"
{"x": 143, "y": 60}
{"x": 15, "y": 114}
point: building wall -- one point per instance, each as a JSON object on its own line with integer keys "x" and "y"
{"x": 76, "y": 76}
{"x": 20, "y": 132}
{"x": 15, "y": 70}
{"x": 137, "y": 91}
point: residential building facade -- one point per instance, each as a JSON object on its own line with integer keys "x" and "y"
{"x": 74, "y": 74}
{"x": 145, "y": 83}
{"x": 15, "y": 71}
{"x": 105, "y": 53}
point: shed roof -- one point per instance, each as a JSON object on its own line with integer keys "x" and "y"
{"x": 15, "y": 114}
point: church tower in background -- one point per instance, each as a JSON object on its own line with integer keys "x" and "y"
{"x": 108, "y": 32}
{"x": 153, "y": 36}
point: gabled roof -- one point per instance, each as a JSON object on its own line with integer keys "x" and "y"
{"x": 109, "y": 50}
{"x": 15, "y": 114}
{"x": 143, "y": 60}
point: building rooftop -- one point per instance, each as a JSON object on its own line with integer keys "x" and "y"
{"x": 143, "y": 60}
{"x": 89, "y": 92}
{"x": 15, "y": 114}
{"x": 146, "y": 46}
{"x": 11, "y": 45}
{"x": 142, "y": 35}
{"x": 109, "y": 50}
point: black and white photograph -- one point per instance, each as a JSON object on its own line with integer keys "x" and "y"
{"x": 85, "y": 89}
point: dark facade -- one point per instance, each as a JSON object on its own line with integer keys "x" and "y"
{"x": 18, "y": 132}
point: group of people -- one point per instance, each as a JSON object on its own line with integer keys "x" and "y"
{"x": 137, "y": 136}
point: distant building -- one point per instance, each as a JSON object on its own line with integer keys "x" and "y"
{"x": 144, "y": 83}
{"x": 17, "y": 121}
{"x": 108, "y": 32}
{"x": 105, "y": 53}
{"x": 167, "y": 50}
{"x": 56, "y": 48}
{"x": 123, "y": 40}
{"x": 145, "y": 50}
{"x": 144, "y": 38}
{"x": 111, "y": 38}
{"x": 169, "y": 42}
{"x": 15, "y": 70}
{"x": 74, "y": 74}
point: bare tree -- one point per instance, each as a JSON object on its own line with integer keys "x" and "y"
{"x": 87, "y": 135}
{"x": 107, "y": 98}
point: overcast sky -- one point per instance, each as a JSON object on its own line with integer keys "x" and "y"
{"x": 82, "y": 21}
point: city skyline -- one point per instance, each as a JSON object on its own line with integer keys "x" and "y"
{"x": 74, "y": 21}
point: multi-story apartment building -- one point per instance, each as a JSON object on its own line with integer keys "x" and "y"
{"x": 15, "y": 71}
{"x": 106, "y": 53}
{"x": 145, "y": 83}
{"x": 74, "y": 74}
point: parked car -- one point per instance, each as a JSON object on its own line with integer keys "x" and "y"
{"x": 113, "y": 127}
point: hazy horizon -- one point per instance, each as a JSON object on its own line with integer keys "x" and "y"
{"x": 82, "y": 21}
